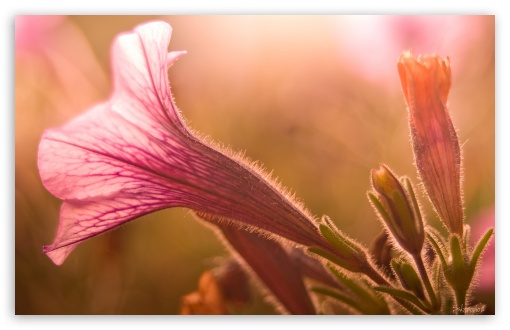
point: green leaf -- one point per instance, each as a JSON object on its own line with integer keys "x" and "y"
{"x": 456, "y": 253}
{"x": 410, "y": 192}
{"x": 352, "y": 285}
{"x": 436, "y": 275}
{"x": 344, "y": 239}
{"x": 329, "y": 256}
{"x": 405, "y": 295}
{"x": 434, "y": 241}
{"x": 482, "y": 244}
{"x": 459, "y": 274}
{"x": 336, "y": 241}
{"x": 339, "y": 296}
{"x": 361, "y": 289}
{"x": 408, "y": 277}
{"x": 466, "y": 236}
{"x": 380, "y": 208}
{"x": 438, "y": 236}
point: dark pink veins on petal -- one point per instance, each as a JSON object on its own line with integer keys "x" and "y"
{"x": 133, "y": 155}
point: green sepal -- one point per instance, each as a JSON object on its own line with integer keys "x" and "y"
{"x": 458, "y": 262}
{"x": 343, "y": 239}
{"x": 410, "y": 192}
{"x": 459, "y": 269}
{"x": 446, "y": 294}
{"x": 437, "y": 235}
{"x": 408, "y": 277}
{"x": 372, "y": 302}
{"x": 380, "y": 208}
{"x": 404, "y": 295}
{"x": 458, "y": 273}
{"x": 330, "y": 256}
{"x": 337, "y": 241}
{"x": 339, "y": 296}
{"x": 352, "y": 285}
{"x": 404, "y": 223}
{"x": 466, "y": 236}
{"x": 350, "y": 256}
{"x": 438, "y": 248}
{"x": 482, "y": 244}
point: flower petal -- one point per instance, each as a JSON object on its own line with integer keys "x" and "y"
{"x": 140, "y": 64}
{"x": 133, "y": 155}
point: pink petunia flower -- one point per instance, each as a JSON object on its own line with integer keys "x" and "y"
{"x": 32, "y": 31}
{"x": 133, "y": 155}
{"x": 385, "y": 36}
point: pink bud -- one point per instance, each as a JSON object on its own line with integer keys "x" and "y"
{"x": 426, "y": 82}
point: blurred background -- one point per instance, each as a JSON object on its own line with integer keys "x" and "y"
{"x": 315, "y": 99}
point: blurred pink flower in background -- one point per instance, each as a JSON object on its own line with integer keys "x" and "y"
{"x": 54, "y": 58}
{"x": 368, "y": 43}
{"x": 33, "y": 32}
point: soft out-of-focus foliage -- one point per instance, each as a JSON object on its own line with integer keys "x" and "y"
{"x": 279, "y": 88}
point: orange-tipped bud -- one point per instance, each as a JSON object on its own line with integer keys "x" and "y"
{"x": 426, "y": 82}
{"x": 398, "y": 209}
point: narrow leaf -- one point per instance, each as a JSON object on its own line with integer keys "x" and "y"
{"x": 401, "y": 294}
{"x": 341, "y": 297}
{"x": 480, "y": 247}
{"x": 410, "y": 192}
{"x": 380, "y": 208}
{"x": 342, "y": 242}
{"x": 329, "y": 256}
{"x": 456, "y": 253}
{"x": 408, "y": 277}
{"x": 342, "y": 245}
{"x": 433, "y": 240}
{"x": 360, "y": 288}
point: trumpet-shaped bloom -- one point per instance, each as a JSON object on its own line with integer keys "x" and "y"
{"x": 426, "y": 82}
{"x": 133, "y": 155}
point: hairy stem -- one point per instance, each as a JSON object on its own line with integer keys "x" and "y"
{"x": 423, "y": 273}
{"x": 460, "y": 299}
{"x": 374, "y": 275}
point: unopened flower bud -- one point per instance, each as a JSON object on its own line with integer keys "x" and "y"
{"x": 408, "y": 277}
{"x": 382, "y": 252}
{"x": 207, "y": 300}
{"x": 398, "y": 209}
{"x": 426, "y": 82}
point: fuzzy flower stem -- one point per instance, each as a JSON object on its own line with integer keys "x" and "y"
{"x": 375, "y": 276}
{"x": 461, "y": 300}
{"x": 423, "y": 273}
